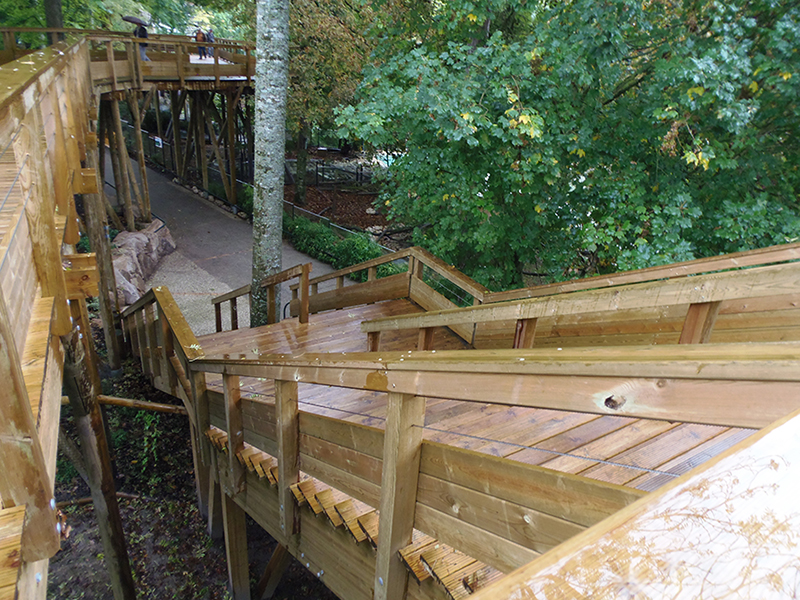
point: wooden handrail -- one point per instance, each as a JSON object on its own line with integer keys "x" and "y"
{"x": 375, "y": 262}
{"x": 653, "y": 382}
{"x": 761, "y": 256}
{"x": 755, "y": 282}
{"x": 298, "y": 271}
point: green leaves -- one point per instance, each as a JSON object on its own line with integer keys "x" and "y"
{"x": 603, "y": 136}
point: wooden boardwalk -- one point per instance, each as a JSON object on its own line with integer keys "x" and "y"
{"x": 636, "y": 452}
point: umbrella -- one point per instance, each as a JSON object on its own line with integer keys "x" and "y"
{"x": 134, "y": 20}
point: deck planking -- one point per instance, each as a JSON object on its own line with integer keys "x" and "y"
{"x": 636, "y": 452}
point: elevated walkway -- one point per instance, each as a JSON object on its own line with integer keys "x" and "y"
{"x": 483, "y": 460}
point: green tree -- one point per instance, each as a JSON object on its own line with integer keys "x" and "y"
{"x": 326, "y": 55}
{"x": 587, "y": 136}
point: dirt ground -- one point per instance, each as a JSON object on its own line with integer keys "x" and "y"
{"x": 170, "y": 552}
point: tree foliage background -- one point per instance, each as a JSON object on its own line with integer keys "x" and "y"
{"x": 586, "y": 136}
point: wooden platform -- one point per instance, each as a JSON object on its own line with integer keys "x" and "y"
{"x": 639, "y": 453}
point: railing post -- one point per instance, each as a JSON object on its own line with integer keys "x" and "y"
{"x": 425, "y": 341}
{"x": 304, "y": 296}
{"x": 167, "y": 350}
{"x": 288, "y": 433}
{"x": 373, "y": 341}
{"x": 218, "y": 316}
{"x": 111, "y": 66}
{"x": 272, "y": 306}
{"x": 524, "y": 333}
{"x": 234, "y": 315}
{"x": 699, "y": 322}
{"x": 401, "y": 454}
{"x": 233, "y": 420}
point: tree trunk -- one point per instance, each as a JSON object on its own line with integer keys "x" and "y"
{"x": 302, "y": 161}
{"x": 272, "y": 51}
{"x": 53, "y": 19}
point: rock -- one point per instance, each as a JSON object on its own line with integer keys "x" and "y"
{"x": 195, "y": 190}
{"x": 371, "y": 211}
{"x": 375, "y": 229}
{"x": 136, "y": 256}
{"x": 204, "y": 195}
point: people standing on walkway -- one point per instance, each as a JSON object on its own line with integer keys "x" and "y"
{"x": 199, "y": 36}
{"x": 141, "y": 32}
{"x": 210, "y": 40}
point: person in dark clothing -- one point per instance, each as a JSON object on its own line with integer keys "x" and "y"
{"x": 210, "y": 40}
{"x": 199, "y": 36}
{"x": 141, "y": 32}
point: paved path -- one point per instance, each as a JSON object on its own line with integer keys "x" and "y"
{"x": 214, "y": 253}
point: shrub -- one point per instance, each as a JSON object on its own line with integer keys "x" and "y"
{"x": 319, "y": 241}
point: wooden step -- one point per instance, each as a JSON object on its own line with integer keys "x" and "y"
{"x": 411, "y": 556}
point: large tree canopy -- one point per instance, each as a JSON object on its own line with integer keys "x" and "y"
{"x": 590, "y": 135}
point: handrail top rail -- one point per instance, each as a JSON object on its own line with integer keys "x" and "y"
{"x": 709, "y": 287}
{"x": 448, "y": 271}
{"x": 285, "y": 275}
{"x": 374, "y": 262}
{"x": 180, "y": 328}
{"x": 30, "y": 67}
{"x": 245, "y": 289}
{"x": 116, "y": 33}
{"x": 760, "y": 361}
{"x": 747, "y": 258}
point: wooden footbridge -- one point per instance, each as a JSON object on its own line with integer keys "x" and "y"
{"x": 409, "y": 434}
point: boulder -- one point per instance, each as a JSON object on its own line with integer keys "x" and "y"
{"x": 136, "y": 256}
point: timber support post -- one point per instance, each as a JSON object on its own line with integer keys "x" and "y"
{"x": 96, "y": 225}
{"x": 288, "y": 434}
{"x": 401, "y": 457}
{"x": 119, "y": 151}
{"x": 80, "y": 381}
{"x": 133, "y": 104}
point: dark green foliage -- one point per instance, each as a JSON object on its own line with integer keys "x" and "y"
{"x": 606, "y": 136}
{"x": 319, "y": 241}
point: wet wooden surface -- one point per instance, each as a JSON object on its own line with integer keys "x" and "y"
{"x": 729, "y": 531}
{"x": 636, "y": 452}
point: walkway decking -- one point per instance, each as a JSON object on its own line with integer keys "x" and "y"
{"x": 638, "y": 453}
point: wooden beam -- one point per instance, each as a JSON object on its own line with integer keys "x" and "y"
{"x": 699, "y": 322}
{"x": 176, "y": 103}
{"x": 524, "y": 333}
{"x": 81, "y": 382}
{"x": 276, "y": 567}
{"x": 286, "y": 412}
{"x": 233, "y": 419}
{"x": 133, "y": 104}
{"x": 236, "y": 549}
{"x": 23, "y": 478}
{"x": 141, "y": 404}
{"x": 231, "y": 122}
{"x": 401, "y": 454}
{"x": 123, "y": 187}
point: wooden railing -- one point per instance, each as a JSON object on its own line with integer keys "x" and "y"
{"x": 415, "y": 278}
{"x": 737, "y": 260}
{"x": 297, "y": 272}
{"x": 116, "y": 63}
{"x": 760, "y": 301}
{"x": 450, "y": 493}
